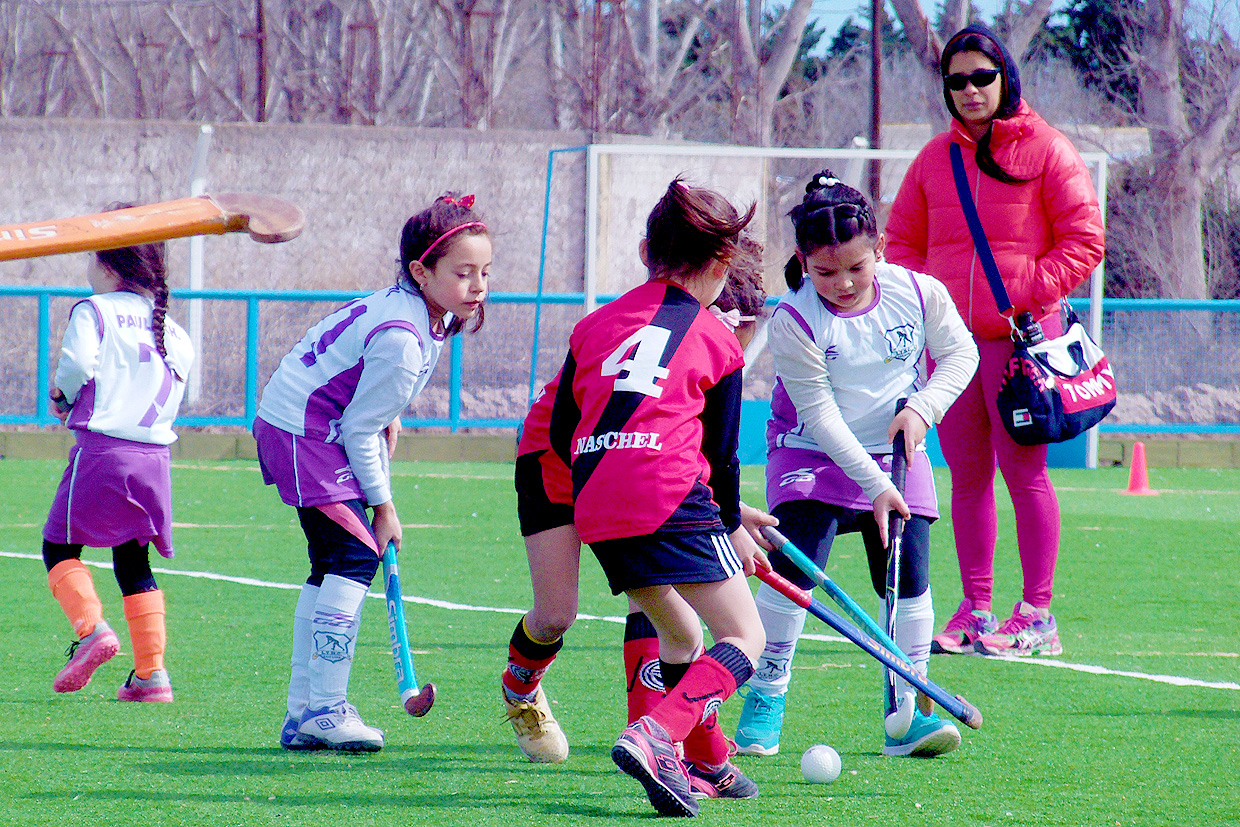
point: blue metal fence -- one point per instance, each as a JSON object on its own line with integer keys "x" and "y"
{"x": 1129, "y": 341}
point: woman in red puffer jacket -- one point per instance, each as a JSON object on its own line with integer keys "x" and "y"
{"x": 1040, "y": 213}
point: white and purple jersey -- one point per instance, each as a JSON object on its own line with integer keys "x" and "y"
{"x": 839, "y": 376}
{"x": 110, "y": 370}
{"x": 336, "y": 392}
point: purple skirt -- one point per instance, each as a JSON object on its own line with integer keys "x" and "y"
{"x": 800, "y": 474}
{"x": 113, "y": 491}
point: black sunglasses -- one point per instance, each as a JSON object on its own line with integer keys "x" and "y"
{"x": 979, "y": 78}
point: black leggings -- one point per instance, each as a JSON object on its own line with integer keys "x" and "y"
{"x": 131, "y": 563}
{"x": 812, "y": 527}
{"x": 334, "y": 550}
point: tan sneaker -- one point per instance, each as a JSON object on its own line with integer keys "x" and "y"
{"x": 538, "y": 734}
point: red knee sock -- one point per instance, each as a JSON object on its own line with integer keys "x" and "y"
{"x": 710, "y": 680}
{"x": 528, "y": 661}
{"x": 643, "y": 675}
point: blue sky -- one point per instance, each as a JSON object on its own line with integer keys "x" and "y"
{"x": 831, "y": 14}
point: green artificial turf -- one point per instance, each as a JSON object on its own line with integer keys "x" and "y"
{"x": 1145, "y": 585}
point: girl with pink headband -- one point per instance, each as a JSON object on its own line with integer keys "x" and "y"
{"x": 326, "y": 430}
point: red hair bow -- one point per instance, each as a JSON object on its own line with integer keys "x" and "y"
{"x": 466, "y": 201}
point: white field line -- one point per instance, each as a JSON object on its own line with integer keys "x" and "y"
{"x": 1173, "y": 680}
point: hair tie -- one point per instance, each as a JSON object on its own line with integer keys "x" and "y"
{"x": 827, "y": 181}
{"x": 466, "y": 201}
{"x": 448, "y": 234}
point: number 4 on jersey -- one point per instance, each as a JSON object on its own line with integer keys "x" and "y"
{"x": 635, "y": 364}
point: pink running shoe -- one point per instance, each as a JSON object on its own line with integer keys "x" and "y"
{"x": 155, "y": 689}
{"x": 645, "y": 752}
{"x": 1024, "y": 633}
{"x": 963, "y": 630}
{"x": 85, "y": 656}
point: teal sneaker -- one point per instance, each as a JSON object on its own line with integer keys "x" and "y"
{"x": 927, "y": 737}
{"x": 762, "y": 717}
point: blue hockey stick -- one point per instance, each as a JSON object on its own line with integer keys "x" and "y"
{"x": 956, "y": 705}
{"x": 417, "y": 702}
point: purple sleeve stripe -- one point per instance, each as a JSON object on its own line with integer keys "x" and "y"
{"x": 797, "y": 316}
{"x": 403, "y": 325}
{"x": 98, "y": 315}
{"x": 920, "y": 298}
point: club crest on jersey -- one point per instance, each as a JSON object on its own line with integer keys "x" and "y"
{"x": 900, "y": 343}
{"x": 332, "y": 647}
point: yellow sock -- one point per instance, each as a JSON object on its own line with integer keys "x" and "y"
{"x": 148, "y": 637}
{"x": 74, "y": 590}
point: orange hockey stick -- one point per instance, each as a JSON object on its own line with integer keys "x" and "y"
{"x": 266, "y": 218}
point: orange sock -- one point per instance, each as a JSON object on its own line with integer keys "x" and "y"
{"x": 74, "y": 590}
{"x": 145, "y": 613}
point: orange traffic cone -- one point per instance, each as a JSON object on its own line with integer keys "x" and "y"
{"x": 1138, "y": 478}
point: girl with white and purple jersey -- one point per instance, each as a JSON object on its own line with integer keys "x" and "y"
{"x": 118, "y": 385}
{"x": 848, "y": 344}
{"x": 325, "y": 429}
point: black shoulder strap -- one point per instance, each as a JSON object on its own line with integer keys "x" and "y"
{"x": 975, "y": 229}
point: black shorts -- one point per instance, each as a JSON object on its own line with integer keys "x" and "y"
{"x": 333, "y": 549}
{"x": 535, "y": 510}
{"x": 665, "y": 558}
{"x": 812, "y": 527}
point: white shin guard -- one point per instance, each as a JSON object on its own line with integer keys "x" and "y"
{"x": 299, "y": 678}
{"x": 914, "y": 628}
{"x": 783, "y": 621}
{"x": 333, "y": 636}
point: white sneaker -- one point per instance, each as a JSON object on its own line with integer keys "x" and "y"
{"x": 339, "y": 727}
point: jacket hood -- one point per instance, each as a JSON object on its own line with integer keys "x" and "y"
{"x": 1010, "y": 101}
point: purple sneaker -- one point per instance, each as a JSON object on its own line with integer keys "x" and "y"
{"x": 155, "y": 689}
{"x": 963, "y": 630}
{"x": 645, "y": 751}
{"x": 1025, "y": 633}
{"x": 85, "y": 656}
{"x": 725, "y": 781}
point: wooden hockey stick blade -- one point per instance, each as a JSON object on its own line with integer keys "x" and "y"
{"x": 266, "y": 218}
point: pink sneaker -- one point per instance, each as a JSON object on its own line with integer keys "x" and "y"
{"x": 963, "y": 630}
{"x": 85, "y": 656}
{"x": 1026, "y": 632}
{"x": 155, "y": 689}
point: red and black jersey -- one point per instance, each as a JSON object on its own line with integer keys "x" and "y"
{"x": 536, "y": 436}
{"x": 647, "y": 414}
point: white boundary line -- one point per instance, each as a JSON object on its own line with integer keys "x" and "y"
{"x": 1173, "y": 680}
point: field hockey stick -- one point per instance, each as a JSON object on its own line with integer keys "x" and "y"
{"x": 417, "y": 702}
{"x": 266, "y": 218}
{"x": 854, "y": 612}
{"x": 955, "y": 705}
{"x": 901, "y": 717}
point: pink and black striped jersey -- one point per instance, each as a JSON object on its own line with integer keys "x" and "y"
{"x": 647, "y": 415}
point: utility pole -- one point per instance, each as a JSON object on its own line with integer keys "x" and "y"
{"x": 876, "y": 98}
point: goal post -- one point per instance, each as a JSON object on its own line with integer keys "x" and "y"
{"x": 624, "y": 180}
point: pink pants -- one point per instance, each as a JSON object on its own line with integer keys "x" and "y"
{"x": 973, "y": 441}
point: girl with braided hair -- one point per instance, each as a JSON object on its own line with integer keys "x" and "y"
{"x": 118, "y": 385}
{"x": 848, "y": 342}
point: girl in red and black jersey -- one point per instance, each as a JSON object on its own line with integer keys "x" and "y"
{"x": 647, "y": 417}
{"x": 545, "y": 511}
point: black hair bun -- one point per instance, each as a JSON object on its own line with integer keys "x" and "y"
{"x": 823, "y": 180}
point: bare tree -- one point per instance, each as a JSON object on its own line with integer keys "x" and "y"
{"x": 1190, "y": 100}
{"x": 1019, "y": 23}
